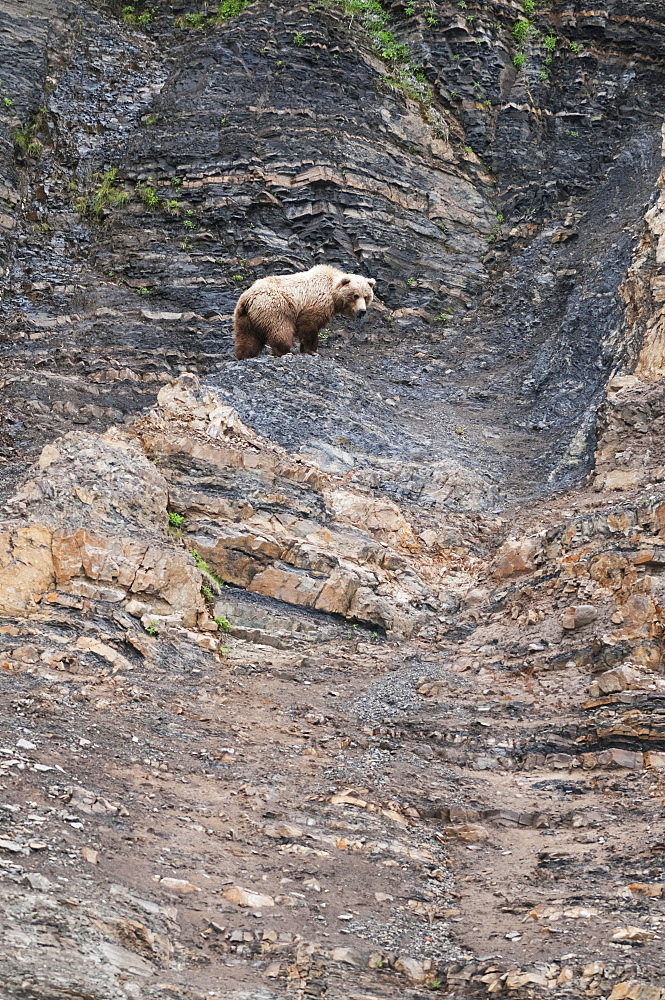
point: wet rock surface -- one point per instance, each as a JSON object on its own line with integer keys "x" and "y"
{"x": 340, "y": 675}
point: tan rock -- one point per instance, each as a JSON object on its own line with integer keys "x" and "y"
{"x": 622, "y": 479}
{"x": 412, "y": 968}
{"x": 468, "y": 833}
{"x": 616, "y": 757}
{"x": 283, "y": 830}
{"x": 180, "y": 885}
{"x": 516, "y": 555}
{"x": 619, "y": 679}
{"x": 246, "y": 897}
{"x": 578, "y": 616}
{"x": 631, "y": 935}
{"x": 92, "y": 857}
{"x": 633, "y": 990}
{"x": 26, "y": 566}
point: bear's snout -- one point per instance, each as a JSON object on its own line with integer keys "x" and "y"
{"x": 361, "y": 313}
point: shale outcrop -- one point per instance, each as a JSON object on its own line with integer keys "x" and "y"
{"x": 340, "y": 675}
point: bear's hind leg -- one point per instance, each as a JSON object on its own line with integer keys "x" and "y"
{"x": 249, "y": 342}
{"x": 280, "y": 337}
{"x": 309, "y": 339}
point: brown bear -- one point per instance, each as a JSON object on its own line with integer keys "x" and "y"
{"x": 276, "y": 309}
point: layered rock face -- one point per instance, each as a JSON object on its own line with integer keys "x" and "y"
{"x": 336, "y": 675}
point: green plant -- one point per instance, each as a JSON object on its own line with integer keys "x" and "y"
{"x": 223, "y": 121}
{"x": 7, "y": 101}
{"x": 190, "y": 21}
{"x": 548, "y": 61}
{"x": 175, "y": 519}
{"x": 529, "y": 6}
{"x": 410, "y": 10}
{"x": 499, "y": 218}
{"x": 521, "y": 29}
{"x": 390, "y": 48}
{"x": 410, "y": 282}
{"x": 574, "y": 48}
{"x": 543, "y": 75}
{"x": 152, "y": 120}
{"x": 222, "y": 623}
{"x": 214, "y": 582}
{"x": 208, "y": 595}
{"x": 436, "y": 984}
{"x": 571, "y": 133}
{"x": 172, "y": 206}
{"x": 107, "y": 195}
{"x": 550, "y": 43}
{"x": 131, "y": 15}
{"x": 176, "y": 182}
{"x": 298, "y": 38}
{"x": 444, "y": 316}
{"x": 26, "y": 138}
{"x": 518, "y": 60}
{"x": 189, "y": 224}
{"x": 151, "y": 627}
{"x": 148, "y": 194}
{"x": 230, "y": 8}
{"x": 238, "y": 277}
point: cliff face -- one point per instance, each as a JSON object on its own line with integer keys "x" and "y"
{"x": 356, "y": 658}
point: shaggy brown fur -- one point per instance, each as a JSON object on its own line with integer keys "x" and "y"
{"x": 274, "y": 310}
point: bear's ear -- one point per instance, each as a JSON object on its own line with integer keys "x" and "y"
{"x": 371, "y": 282}
{"x": 346, "y": 280}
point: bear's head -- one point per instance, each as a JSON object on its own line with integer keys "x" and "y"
{"x": 352, "y": 294}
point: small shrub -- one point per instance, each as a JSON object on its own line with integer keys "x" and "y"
{"x": 298, "y": 38}
{"x": 143, "y": 290}
{"x": 521, "y": 29}
{"x": 7, "y": 101}
{"x": 529, "y": 6}
{"x": 550, "y": 43}
{"x": 574, "y": 48}
{"x": 151, "y": 628}
{"x": 148, "y": 195}
{"x": 390, "y": 48}
{"x": 175, "y": 519}
{"x": 139, "y": 19}
{"x": 543, "y": 75}
{"x": 222, "y": 623}
{"x": 190, "y": 21}
{"x": 230, "y": 8}
{"x": 518, "y": 60}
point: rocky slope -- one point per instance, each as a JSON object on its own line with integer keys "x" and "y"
{"x": 339, "y": 675}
